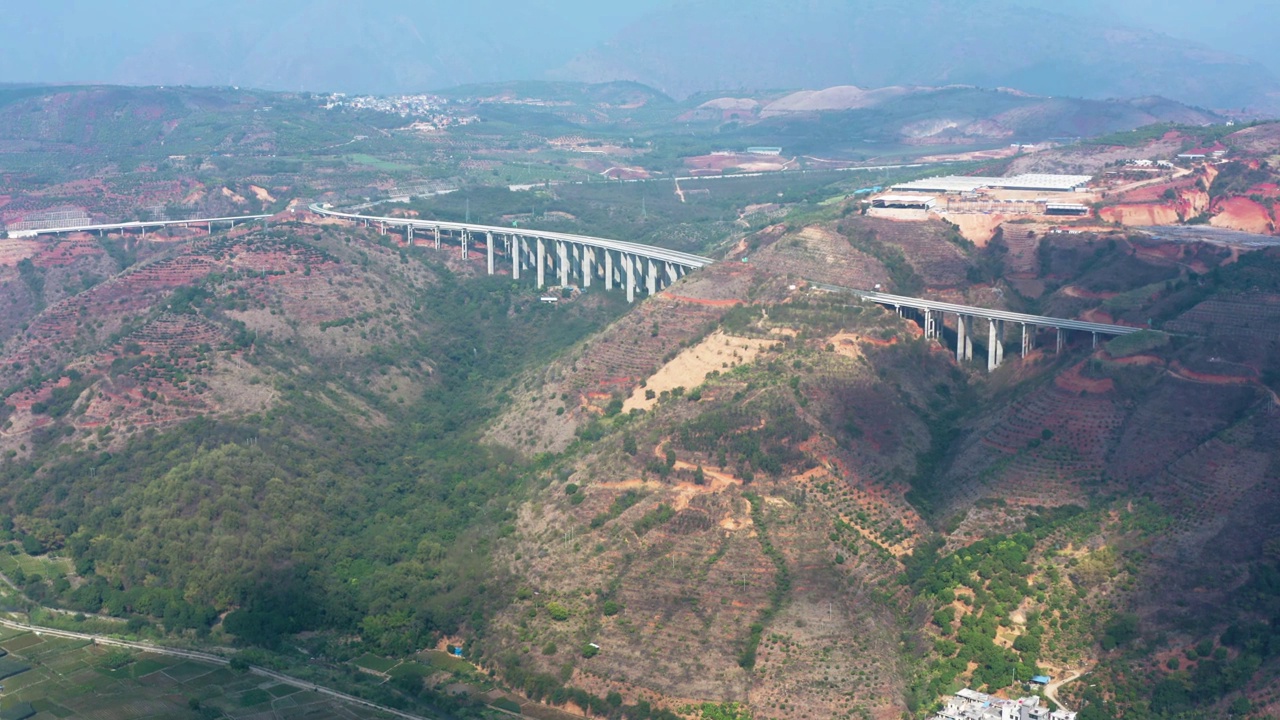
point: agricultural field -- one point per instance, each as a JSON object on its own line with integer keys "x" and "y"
{"x": 75, "y": 678}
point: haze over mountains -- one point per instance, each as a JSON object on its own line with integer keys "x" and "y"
{"x": 391, "y": 46}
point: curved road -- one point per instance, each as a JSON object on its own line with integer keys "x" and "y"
{"x": 1051, "y": 690}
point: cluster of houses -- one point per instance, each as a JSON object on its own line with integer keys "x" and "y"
{"x": 972, "y": 705}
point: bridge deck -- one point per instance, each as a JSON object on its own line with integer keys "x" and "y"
{"x": 1039, "y": 320}
{"x": 696, "y": 261}
{"x": 131, "y": 225}
{"x": 650, "y": 251}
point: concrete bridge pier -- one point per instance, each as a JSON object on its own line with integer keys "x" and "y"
{"x": 488, "y": 245}
{"x": 541, "y": 261}
{"x": 1028, "y": 340}
{"x": 628, "y": 263}
{"x": 408, "y": 235}
{"x": 1095, "y": 341}
{"x": 964, "y": 338}
{"x": 652, "y": 284}
{"x": 995, "y": 344}
{"x": 562, "y": 248}
{"x": 589, "y": 266}
{"x": 930, "y": 325}
{"x": 608, "y": 269}
{"x": 1062, "y": 341}
{"x": 672, "y": 273}
{"x": 437, "y": 229}
{"x": 517, "y": 256}
{"x": 968, "y": 338}
{"x": 464, "y": 243}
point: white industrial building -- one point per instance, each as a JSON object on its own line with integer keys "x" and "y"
{"x": 1036, "y": 182}
{"x": 910, "y": 202}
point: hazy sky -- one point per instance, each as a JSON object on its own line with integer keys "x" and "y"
{"x": 1228, "y": 25}
{"x": 284, "y": 43}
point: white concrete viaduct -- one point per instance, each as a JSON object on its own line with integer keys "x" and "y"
{"x": 562, "y": 258}
{"x": 932, "y": 313}
{"x": 557, "y": 258}
{"x": 139, "y": 225}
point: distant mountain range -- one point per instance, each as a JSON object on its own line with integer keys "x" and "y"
{"x": 396, "y": 46}
{"x": 990, "y": 43}
{"x": 813, "y": 120}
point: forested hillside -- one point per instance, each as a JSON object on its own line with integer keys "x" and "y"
{"x": 329, "y": 450}
{"x": 281, "y": 436}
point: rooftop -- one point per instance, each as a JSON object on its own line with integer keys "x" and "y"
{"x": 1027, "y": 181}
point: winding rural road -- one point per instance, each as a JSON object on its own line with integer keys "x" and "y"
{"x": 1051, "y": 690}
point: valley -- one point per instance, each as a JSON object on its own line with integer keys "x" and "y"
{"x": 617, "y": 445}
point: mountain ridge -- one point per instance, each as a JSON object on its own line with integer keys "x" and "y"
{"x": 990, "y": 44}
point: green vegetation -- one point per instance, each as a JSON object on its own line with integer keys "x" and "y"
{"x": 989, "y": 578}
{"x": 760, "y": 436}
{"x": 558, "y": 612}
{"x": 33, "y": 278}
{"x": 781, "y": 583}
{"x": 904, "y": 277}
{"x": 722, "y": 711}
{"x": 184, "y": 524}
{"x": 1136, "y": 343}
{"x": 1237, "y": 178}
{"x": 72, "y": 678}
{"x": 653, "y": 519}
{"x": 617, "y": 507}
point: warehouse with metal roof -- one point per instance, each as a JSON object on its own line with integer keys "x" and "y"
{"x": 1027, "y": 181}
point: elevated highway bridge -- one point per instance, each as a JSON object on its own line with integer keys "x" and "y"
{"x": 616, "y": 263}
{"x": 561, "y": 256}
{"x": 140, "y": 225}
{"x": 933, "y": 311}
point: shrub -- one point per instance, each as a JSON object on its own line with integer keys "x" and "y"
{"x": 558, "y": 612}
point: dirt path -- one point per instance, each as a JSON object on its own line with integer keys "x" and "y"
{"x": 1179, "y": 173}
{"x": 1051, "y": 690}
